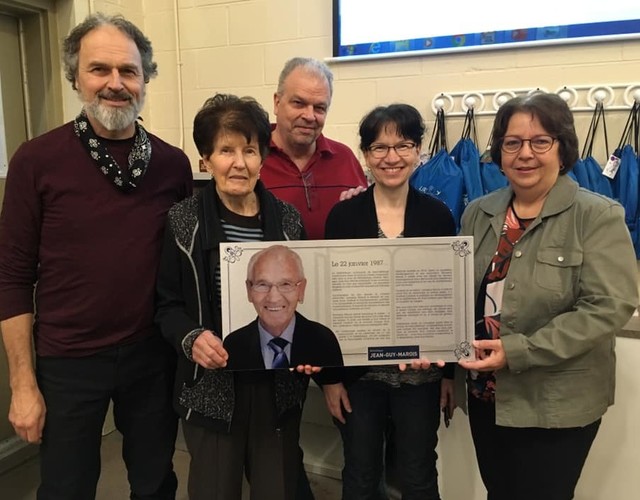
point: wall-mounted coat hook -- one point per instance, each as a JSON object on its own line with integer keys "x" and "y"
{"x": 614, "y": 97}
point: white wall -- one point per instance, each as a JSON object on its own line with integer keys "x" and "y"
{"x": 612, "y": 467}
{"x": 240, "y": 46}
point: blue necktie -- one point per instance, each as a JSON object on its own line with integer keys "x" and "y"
{"x": 277, "y": 345}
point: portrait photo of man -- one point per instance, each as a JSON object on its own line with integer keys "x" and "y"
{"x": 280, "y": 337}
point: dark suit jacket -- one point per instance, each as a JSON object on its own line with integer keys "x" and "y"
{"x": 313, "y": 344}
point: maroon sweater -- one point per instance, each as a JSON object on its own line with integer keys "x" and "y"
{"x": 92, "y": 250}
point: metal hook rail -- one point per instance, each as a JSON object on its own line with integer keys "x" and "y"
{"x": 615, "y": 97}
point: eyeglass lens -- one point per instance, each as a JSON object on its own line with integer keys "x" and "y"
{"x": 538, "y": 144}
{"x": 382, "y": 150}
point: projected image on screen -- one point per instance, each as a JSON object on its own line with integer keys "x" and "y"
{"x": 379, "y": 28}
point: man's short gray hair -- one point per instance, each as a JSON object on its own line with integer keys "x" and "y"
{"x": 308, "y": 64}
{"x": 275, "y": 250}
{"x": 71, "y": 44}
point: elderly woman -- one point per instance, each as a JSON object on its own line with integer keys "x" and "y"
{"x": 555, "y": 277}
{"x": 390, "y": 140}
{"x": 232, "y": 421}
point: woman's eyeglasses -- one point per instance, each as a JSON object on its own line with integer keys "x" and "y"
{"x": 380, "y": 151}
{"x": 538, "y": 144}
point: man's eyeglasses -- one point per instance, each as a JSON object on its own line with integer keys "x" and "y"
{"x": 380, "y": 151}
{"x": 538, "y": 144}
{"x": 264, "y": 287}
{"x": 308, "y": 184}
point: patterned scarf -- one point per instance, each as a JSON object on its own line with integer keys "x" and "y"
{"x": 482, "y": 385}
{"x": 124, "y": 179}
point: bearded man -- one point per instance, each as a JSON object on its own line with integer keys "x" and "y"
{"x": 82, "y": 224}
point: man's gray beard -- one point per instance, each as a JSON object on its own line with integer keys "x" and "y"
{"x": 113, "y": 118}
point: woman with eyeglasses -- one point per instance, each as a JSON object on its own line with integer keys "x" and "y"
{"x": 234, "y": 423}
{"x": 390, "y": 140}
{"x": 555, "y": 278}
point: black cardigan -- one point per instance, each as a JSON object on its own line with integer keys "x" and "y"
{"x": 356, "y": 218}
{"x": 186, "y": 303}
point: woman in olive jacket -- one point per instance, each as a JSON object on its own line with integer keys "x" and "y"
{"x": 555, "y": 278}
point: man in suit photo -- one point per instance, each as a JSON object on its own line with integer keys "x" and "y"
{"x": 280, "y": 337}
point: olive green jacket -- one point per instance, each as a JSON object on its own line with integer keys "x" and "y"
{"x": 570, "y": 287}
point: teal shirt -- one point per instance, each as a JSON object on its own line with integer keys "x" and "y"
{"x": 570, "y": 287}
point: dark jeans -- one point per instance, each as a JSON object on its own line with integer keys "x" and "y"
{"x": 528, "y": 463}
{"x": 138, "y": 378}
{"x": 415, "y": 412}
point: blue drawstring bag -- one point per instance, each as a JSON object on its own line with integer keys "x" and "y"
{"x": 580, "y": 174}
{"x": 466, "y": 155}
{"x": 627, "y": 184}
{"x": 492, "y": 177}
{"x": 442, "y": 178}
{"x": 625, "y": 180}
{"x": 572, "y": 175}
{"x": 490, "y": 172}
{"x": 598, "y": 182}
